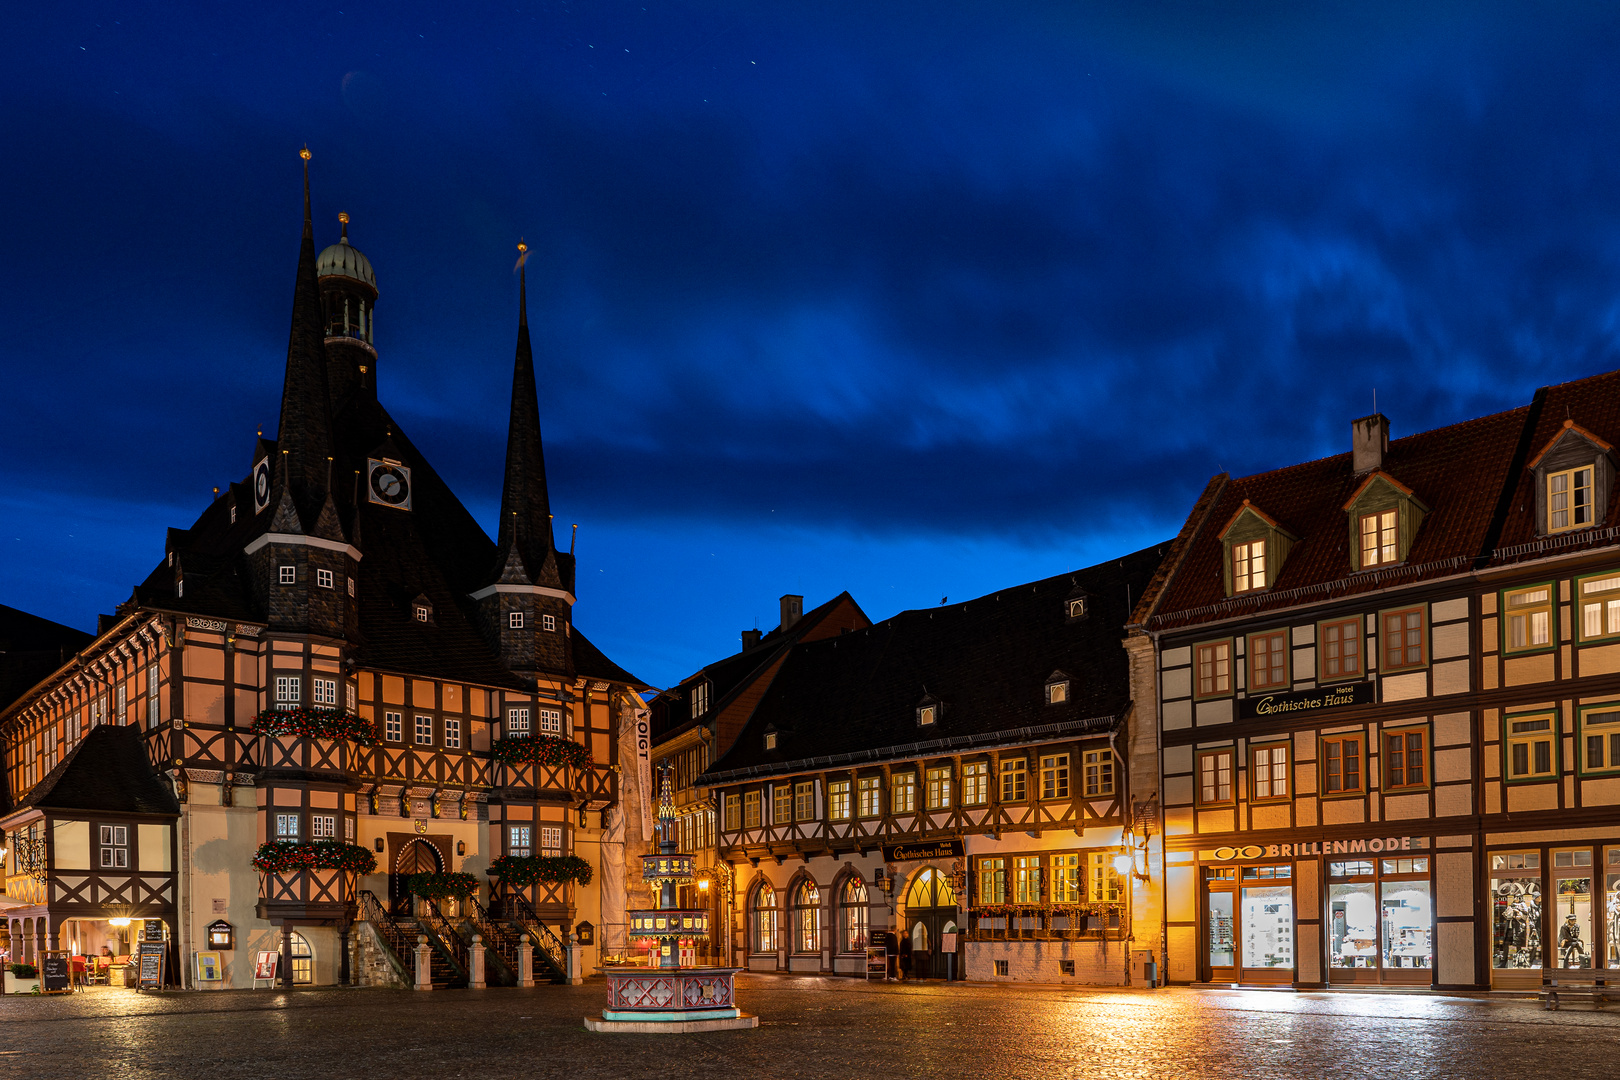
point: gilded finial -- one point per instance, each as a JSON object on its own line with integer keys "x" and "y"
{"x": 304, "y": 153}
{"x": 522, "y": 247}
{"x": 343, "y": 219}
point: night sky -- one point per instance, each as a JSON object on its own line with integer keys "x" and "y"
{"x": 914, "y": 300}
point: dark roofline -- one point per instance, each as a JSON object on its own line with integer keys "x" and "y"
{"x": 1090, "y": 725}
{"x": 79, "y": 659}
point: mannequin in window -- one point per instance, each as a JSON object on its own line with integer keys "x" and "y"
{"x": 1571, "y": 949}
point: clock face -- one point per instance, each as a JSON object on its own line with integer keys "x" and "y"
{"x": 390, "y": 484}
{"x": 261, "y": 485}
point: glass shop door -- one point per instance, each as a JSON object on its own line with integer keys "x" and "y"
{"x": 1249, "y": 924}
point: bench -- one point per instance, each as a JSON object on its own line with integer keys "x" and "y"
{"x": 1590, "y": 988}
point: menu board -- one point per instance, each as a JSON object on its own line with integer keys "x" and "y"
{"x": 152, "y": 954}
{"x": 54, "y": 975}
{"x": 877, "y": 961}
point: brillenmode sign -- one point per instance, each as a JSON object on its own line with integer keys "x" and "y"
{"x": 939, "y": 849}
{"x": 1312, "y": 847}
{"x": 1267, "y": 706}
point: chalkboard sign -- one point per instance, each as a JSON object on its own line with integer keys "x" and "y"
{"x": 151, "y": 965}
{"x": 152, "y": 930}
{"x": 54, "y": 975}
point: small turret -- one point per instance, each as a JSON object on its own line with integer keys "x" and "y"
{"x": 348, "y": 303}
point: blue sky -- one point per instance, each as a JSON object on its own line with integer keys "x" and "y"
{"x": 915, "y": 300}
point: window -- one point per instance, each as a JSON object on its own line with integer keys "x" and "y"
{"x": 1268, "y": 768}
{"x": 424, "y": 731}
{"x": 1527, "y": 618}
{"x": 349, "y": 581}
{"x": 975, "y": 783}
{"x": 548, "y": 622}
{"x": 152, "y": 696}
{"x": 770, "y": 740}
{"x": 1026, "y": 879}
{"x": 1405, "y": 762}
{"x": 804, "y": 800}
{"x": 806, "y": 918}
{"x": 288, "y": 689}
{"x": 1099, "y": 766}
{"x": 903, "y": 793}
{"x": 1600, "y": 729}
{"x": 1103, "y": 878}
{"x": 323, "y": 578}
{"x": 423, "y": 613}
{"x": 1403, "y": 639}
{"x": 303, "y": 960}
{"x": 350, "y": 694}
{"x": 852, "y": 914}
{"x": 322, "y": 826}
{"x": 514, "y": 620}
{"x": 1068, "y": 880}
{"x": 1341, "y": 649}
{"x": 1268, "y": 660}
{"x": 551, "y": 721}
{"x": 1214, "y": 668}
{"x": 1077, "y": 608}
{"x": 751, "y": 810}
{"x": 764, "y": 936}
{"x": 1569, "y": 499}
{"x": 1215, "y": 778}
{"x": 1341, "y": 764}
{"x": 393, "y": 727}
{"x": 869, "y": 791}
{"x": 551, "y": 837}
{"x": 452, "y": 733}
{"x": 1014, "y": 774}
{"x": 1001, "y": 968}
{"x": 938, "y": 787}
{"x": 348, "y": 828}
{"x": 180, "y": 586}
{"x": 1600, "y": 607}
{"x": 520, "y": 840}
{"x": 926, "y": 715}
{"x": 782, "y": 805}
{"x": 733, "y": 812}
{"x": 1529, "y": 747}
{"x": 1378, "y": 539}
{"x": 1055, "y": 776}
{"x": 517, "y": 723}
{"x": 700, "y": 699}
{"x": 115, "y": 847}
{"x": 287, "y": 575}
{"x": 286, "y": 826}
{"x": 1249, "y": 566}
{"x": 838, "y": 800}
{"x": 993, "y": 880}
{"x": 123, "y": 704}
{"x": 1057, "y": 692}
{"x": 325, "y": 691}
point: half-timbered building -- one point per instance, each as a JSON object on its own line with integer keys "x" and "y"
{"x": 1387, "y": 697}
{"x": 953, "y": 776}
{"x": 335, "y": 658}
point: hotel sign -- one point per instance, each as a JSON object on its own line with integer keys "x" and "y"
{"x": 1268, "y": 706}
{"x": 938, "y": 849}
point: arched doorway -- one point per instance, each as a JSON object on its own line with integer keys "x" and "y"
{"x": 416, "y": 857}
{"x": 303, "y": 960}
{"x": 930, "y": 914}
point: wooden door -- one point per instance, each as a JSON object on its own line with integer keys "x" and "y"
{"x": 416, "y": 857}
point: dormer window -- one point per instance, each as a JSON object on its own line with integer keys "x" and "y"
{"x": 1378, "y": 538}
{"x": 1074, "y": 608}
{"x": 770, "y": 740}
{"x": 1574, "y": 475}
{"x": 1057, "y": 688}
{"x": 926, "y": 715}
{"x": 1249, "y": 566}
{"x": 1255, "y": 545}
{"x": 1384, "y": 516}
{"x": 423, "y": 613}
{"x": 700, "y": 703}
{"x": 1569, "y": 499}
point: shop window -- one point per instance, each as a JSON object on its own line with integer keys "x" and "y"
{"x": 869, "y": 790}
{"x": 115, "y": 847}
{"x": 1340, "y": 649}
{"x": 1249, "y": 566}
{"x": 1215, "y": 778}
{"x": 838, "y": 800}
{"x": 751, "y": 803}
{"x": 765, "y": 911}
{"x": 1099, "y": 766}
{"x": 1026, "y": 879}
{"x": 1611, "y": 907}
{"x": 1055, "y": 776}
{"x": 782, "y": 804}
{"x": 1405, "y": 762}
{"x": 393, "y": 727}
{"x": 1600, "y": 607}
{"x": 1600, "y": 739}
{"x": 853, "y": 915}
{"x": 1068, "y": 879}
{"x": 1569, "y": 499}
{"x": 804, "y": 800}
{"x": 1527, "y": 618}
{"x": 1384, "y": 922}
{"x": 1573, "y": 942}
{"x": 1268, "y": 660}
{"x": 938, "y": 787}
{"x": 1342, "y": 759}
{"x": 1403, "y": 639}
{"x": 992, "y": 880}
{"x": 1516, "y": 911}
{"x": 975, "y": 783}
{"x": 1014, "y": 779}
{"x": 1102, "y": 879}
{"x": 520, "y": 840}
{"x": 1531, "y": 754}
{"x": 1379, "y": 535}
{"x": 1268, "y": 770}
{"x": 1214, "y": 668}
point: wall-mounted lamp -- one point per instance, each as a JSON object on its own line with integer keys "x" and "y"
{"x": 703, "y": 885}
{"x": 379, "y": 843}
{"x": 461, "y": 847}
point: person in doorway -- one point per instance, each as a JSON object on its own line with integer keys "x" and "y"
{"x": 905, "y": 958}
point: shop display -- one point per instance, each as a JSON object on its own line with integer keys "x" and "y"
{"x": 1353, "y": 928}
{"x": 1611, "y": 917}
{"x": 1516, "y": 923}
{"x": 1408, "y": 925}
{"x": 1574, "y": 917}
{"x": 1221, "y": 945}
{"x": 1268, "y": 926}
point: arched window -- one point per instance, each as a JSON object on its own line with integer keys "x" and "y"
{"x": 765, "y": 918}
{"x": 807, "y": 917}
{"x": 930, "y": 888}
{"x": 303, "y": 960}
{"x": 852, "y": 915}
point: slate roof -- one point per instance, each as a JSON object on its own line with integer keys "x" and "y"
{"x": 31, "y": 648}
{"x": 1474, "y": 477}
{"x": 986, "y": 661}
{"x": 106, "y": 772}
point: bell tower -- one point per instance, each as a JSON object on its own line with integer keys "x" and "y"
{"x": 348, "y": 310}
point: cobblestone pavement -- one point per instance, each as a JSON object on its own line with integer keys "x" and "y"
{"x": 809, "y": 1027}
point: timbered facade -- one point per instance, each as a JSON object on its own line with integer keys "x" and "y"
{"x": 1385, "y": 685}
{"x": 952, "y": 776}
{"x": 343, "y": 582}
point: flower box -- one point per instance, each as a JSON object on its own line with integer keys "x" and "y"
{"x": 22, "y": 984}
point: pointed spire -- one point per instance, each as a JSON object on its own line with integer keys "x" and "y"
{"x": 525, "y": 505}
{"x": 305, "y": 430}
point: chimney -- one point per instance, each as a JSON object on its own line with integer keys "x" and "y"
{"x": 1369, "y": 441}
{"x": 750, "y": 638}
{"x": 792, "y": 608}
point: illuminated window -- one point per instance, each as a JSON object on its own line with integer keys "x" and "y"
{"x": 1341, "y": 764}
{"x": 700, "y": 699}
{"x": 852, "y": 915}
{"x": 1341, "y": 648}
{"x": 975, "y": 783}
{"x": 1014, "y": 780}
{"x": 1027, "y": 879}
{"x": 838, "y": 800}
{"x": 1055, "y": 776}
{"x": 751, "y": 809}
{"x": 1057, "y": 692}
{"x": 1379, "y": 539}
{"x": 926, "y": 714}
{"x": 1530, "y": 748}
{"x": 807, "y": 918}
{"x": 1600, "y": 607}
{"x": 993, "y": 880}
{"x": 551, "y": 840}
{"x": 1268, "y": 660}
{"x": 765, "y": 911}
{"x": 1215, "y": 668}
{"x": 869, "y": 789}
{"x": 1104, "y": 879}
{"x": 938, "y": 787}
{"x": 1405, "y": 763}
{"x": 1403, "y": 639}
{"x": 1068, "y": 880}
{"x": 1268, "y": 767}
{"x": 1099, "y": 766}
{"x": 1215, "y": 777}
{"x": 303, "y": 959}
{"x": 782, "y": 804}
{"x": 520, "y": 840}
{"x": 770, "y": 740}
{"x": 1528, "y": 615}
{"x": 287, "y": 827}
{"x": 1249, "y": 566}
{"x": 733, "y": 812}
{"x": 1569, "y": 499}
{"x": 903, "y": 793}
{"x": 804, "y": 800}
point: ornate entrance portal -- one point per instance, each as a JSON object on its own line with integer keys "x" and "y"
{"x": 930, "y": 914}
{"x": 416, "y": 857}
